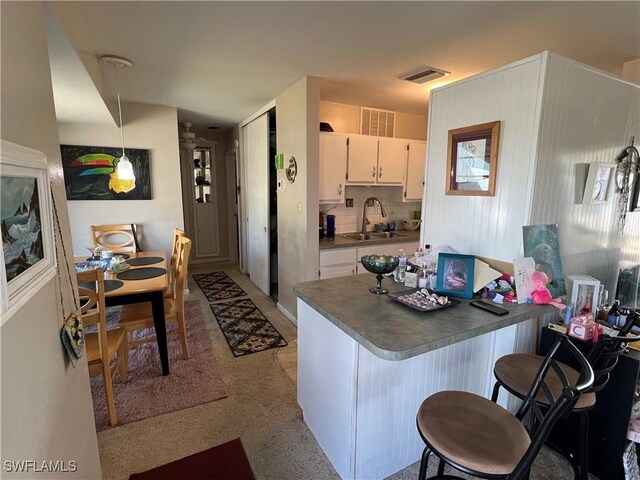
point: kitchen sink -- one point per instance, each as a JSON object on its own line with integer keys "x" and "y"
{"x": 373, "y": 235}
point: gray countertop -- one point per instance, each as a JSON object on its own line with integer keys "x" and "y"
{"x": 341, "y": 242}
{"x": 393, "y": 331}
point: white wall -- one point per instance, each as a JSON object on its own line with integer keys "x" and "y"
{"x": 46, "y": 410}
{"x": 555, "y": 113}
{"x": 345, "y": 118}
{"x": 151, "y": 127}
{"x": 487, "y": 226}
{"x": 297, "y": 120}
{"x": 587, "y": 116}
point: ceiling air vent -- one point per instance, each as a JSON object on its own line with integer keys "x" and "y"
{"x": 379, "y": 123}
{"x": 425, "y": 74}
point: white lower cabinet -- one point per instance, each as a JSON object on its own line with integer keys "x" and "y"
{"x": 340, "y": 262}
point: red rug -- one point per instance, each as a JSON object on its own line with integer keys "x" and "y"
{"x": 147, "y": 393}
{"x": 224, "y": 462}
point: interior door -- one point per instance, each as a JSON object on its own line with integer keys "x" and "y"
{"x": 256, "y": 147}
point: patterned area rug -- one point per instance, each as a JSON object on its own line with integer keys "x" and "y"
{"x": 218, "y": 287}
{"x": 244, "y": 326}
{"x": 147, "y": 393}
{"x": 246, "y": 329}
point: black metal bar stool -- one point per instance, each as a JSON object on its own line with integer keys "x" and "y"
{"x": 479, "y": 437}
{"x": 515, "y": 373}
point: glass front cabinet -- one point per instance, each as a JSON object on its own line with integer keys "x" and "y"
{"x": 201, "y": 202}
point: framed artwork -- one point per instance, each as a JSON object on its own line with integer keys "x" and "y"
{"x": 90, "y": 173}
{"x": 541, "y": 243}
{"x": 634, "y": 203}
{"x": 598, "y": 183}
{"x": 628, "y": 287}
{"x": 472, "y": 160}
{"x": 455, "y": 275}
{"x": 28, "y": 256}
{"x": 584, "y": 294}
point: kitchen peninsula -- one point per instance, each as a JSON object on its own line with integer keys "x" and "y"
{"x": 366, "y": 362}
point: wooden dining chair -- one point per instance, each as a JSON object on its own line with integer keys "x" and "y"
{"x": 177, "y": 235}
{"x": 139, "y": 316}
{"x": 117, "y": 238}
{"x": 104, "y": 346}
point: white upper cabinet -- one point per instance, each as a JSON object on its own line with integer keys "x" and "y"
{"x": 414, "y": 181}
{"x": 392, "y": 153}
{"x": 362, "y": 159}
{"x": 333, "y": 167}
{"x": 375, "y": 160}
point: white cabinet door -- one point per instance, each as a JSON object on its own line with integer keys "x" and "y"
{"x": 392, "y": 154}
{"x": 337, "y": 271}
{"x": 333, "y": 167}
{"x": 362, "y": 159}
{"x": 414, "y": 182}
{"x": 256, "y": 150}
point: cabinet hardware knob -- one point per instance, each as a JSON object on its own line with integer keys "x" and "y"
{"x": 380, "y": 172}
{"x": 340, "y": 189}
{"x": 374, "y": 172}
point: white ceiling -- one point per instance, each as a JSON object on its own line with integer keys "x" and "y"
{"x": 219, "y": 62}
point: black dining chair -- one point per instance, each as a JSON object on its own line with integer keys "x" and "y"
{"x": 515, "y": 371}
{"x": 479, "y": 437}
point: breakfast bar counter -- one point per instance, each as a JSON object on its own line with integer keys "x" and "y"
{"x": 366, "y": 363}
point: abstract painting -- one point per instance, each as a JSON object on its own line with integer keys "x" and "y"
{"x": 541, "y": 243}
{"x": 91, "y": 173}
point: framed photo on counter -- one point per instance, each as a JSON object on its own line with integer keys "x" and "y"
{"x": 455, "y": 275}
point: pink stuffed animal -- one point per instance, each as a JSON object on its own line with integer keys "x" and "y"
{"x": 540, "y": 293}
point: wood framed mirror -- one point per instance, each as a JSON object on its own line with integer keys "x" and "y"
{"x": 472, "y": 160}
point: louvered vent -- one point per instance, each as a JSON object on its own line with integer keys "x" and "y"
{"x": 379, "y": 123}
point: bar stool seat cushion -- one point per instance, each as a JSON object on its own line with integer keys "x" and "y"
{"x": 473, "y": 432}
{"x": 517, "y": 371}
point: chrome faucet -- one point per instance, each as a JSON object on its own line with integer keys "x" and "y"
{"x": 363, "y": 232}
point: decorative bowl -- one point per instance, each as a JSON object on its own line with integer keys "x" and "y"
{"x": 380, "y": 265}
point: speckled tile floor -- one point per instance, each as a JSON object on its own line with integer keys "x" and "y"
{"x": 261, "y": 409}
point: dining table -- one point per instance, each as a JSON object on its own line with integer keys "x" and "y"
{"x": 121, "y": 290}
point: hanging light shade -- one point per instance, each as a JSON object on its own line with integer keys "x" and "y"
{"x": 124, "y": 168}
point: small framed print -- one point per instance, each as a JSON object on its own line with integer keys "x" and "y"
{"x": 584, "y": 293}
{"x": 472, "y": 160}
{"x": 28, "y": 257}
{"x": 598, "y": 183}
{"x": 455, "y": 275}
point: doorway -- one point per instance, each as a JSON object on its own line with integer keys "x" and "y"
{"x": 273, "y": 206}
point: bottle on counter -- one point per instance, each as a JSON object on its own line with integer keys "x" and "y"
{"x": 613, "y": 317}
{"x": 402, "y": 266}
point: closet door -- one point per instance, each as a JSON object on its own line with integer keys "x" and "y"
{"x": 256, "y": 147}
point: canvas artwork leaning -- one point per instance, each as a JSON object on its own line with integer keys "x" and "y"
{"x": 541, "y": 243}
{"x": 91, "y": 173}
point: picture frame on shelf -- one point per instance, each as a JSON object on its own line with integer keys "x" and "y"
{"x": 628, "y": 286}
{"x": 584, "y": 293}
{"x": 28, "y": 256}
{"x": 455, "y": 275}
{"x": 599, "y": 180}
{"x": 472, "y": 160}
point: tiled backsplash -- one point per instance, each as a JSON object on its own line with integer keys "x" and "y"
{"x": 349, "y": 219}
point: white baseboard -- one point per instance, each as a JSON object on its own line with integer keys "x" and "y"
{"x": 287, "y": 314}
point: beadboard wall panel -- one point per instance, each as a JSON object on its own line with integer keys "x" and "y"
{"x": 585, "y": 119}
{"x": 488, "y": 226}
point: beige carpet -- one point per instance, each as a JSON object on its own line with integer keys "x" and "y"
{"x": 147, "y": 393}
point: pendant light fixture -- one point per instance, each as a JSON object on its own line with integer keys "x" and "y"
{"x": 124, "y": 168}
